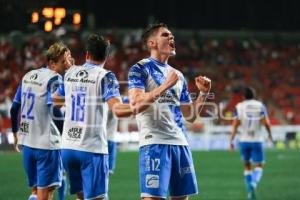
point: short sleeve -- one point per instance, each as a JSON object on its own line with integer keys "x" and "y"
{"x": 52, "y": 86}
{"x": 137, "y": 77}
{"x": 61, "y": 88}
{"x": 185, "y": 95}
{"x": 235, "y": 114}
{"x": 110, "y": 86}
{"x": 264, "y": 112}
{"x": 18, "y": 94}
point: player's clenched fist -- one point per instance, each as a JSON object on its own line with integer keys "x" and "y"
{"x": 203, "y": 83}
{"x": 171, "y": 79}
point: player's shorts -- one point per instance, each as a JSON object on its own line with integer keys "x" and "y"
{"x": 43, "y": 167}
{"x": 87, "y": 172}
{"x": 112, "y": 152}
{"x": 252, "y": 151}
{"x": 167, "y": 169}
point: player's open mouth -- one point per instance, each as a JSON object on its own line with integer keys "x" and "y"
{"x": 172, "y": 45}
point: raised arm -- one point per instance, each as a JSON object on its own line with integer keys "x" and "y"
{"x": 141, "y": 100}
{"x": 191, "y": 110}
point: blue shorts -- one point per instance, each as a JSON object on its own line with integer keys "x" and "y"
{"x": 167, "y": 170}
{"x": 43, "y": 167}
{"x": 87, "y": 172}
{"x": 252, "y": 152}
{"x": 112, "y": 152}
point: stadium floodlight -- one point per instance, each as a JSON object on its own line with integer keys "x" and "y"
{"x": 48, "y": 26}
{"x": 76, "y": 18}
{"x": 48, "y": 12}
{"x": 60, "y": 13}
{"x": 34, "y": 17}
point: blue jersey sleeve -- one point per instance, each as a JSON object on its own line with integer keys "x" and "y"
{"x": 52, "y": 86}
{"x": 110, "y": 86}
{"x": 61, "y": 88}
{"x": 137, "y": 77}
{"x": 17, "y": 98}
{"x": 185, "y": 95}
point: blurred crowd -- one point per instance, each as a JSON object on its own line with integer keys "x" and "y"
{"x": 270, "y": 66}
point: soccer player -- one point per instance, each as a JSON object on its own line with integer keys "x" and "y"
{"x": 159, "y": 96}
{"x": 250, "y": 115}
{"x": 87, "y": 90}
{"x": 39, "y": 137}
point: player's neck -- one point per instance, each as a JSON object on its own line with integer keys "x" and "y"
{"x": 160, "y": 57}
{"x": 94, "y": 62}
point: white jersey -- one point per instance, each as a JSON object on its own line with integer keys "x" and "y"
{"x": 250, "y": 112}
{"x": 162, "y": 122}
{"x": 86, "y": 90}
{"x": 112, "y": 126}
{"x": 37, "y": 129}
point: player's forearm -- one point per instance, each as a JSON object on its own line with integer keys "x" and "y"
{"x": 268, "y": 127}
{"x": 141, "y": 101}
{"x": 14, "y": 112}
{"x": 122, "y": 110}
{"x": 233, "y": 133}
{"x": 58, "y": 101}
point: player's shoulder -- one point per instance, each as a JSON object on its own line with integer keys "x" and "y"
{"x": 43, "y": 73}
{"x": 140, "y": 68}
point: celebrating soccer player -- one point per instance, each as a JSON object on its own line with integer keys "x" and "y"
{"x": 159, "y": 96}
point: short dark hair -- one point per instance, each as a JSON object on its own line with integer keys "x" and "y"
{"x": 55, "y": 51}
{"x": 249, "y": 93}
{"x": 97, "y": 46}
{"x": 150, "y": 30}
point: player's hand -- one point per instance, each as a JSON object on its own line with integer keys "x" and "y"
{"x": 203, "y": 83}
{"x": 231, "y": 147}
{"x": 16, "y": 146}
{"x": 171, "y": 79}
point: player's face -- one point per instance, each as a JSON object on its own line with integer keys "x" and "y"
{"x": 60, "y": 65}
{"x": 165, "y": 43}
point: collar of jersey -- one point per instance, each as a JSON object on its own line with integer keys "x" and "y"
{"x": 157, "y": 62}
{"x": 90, "y": 64}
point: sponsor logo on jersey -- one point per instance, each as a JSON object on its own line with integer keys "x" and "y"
{"x": 152, "y": 181}
{"x": 148, "y": 137}
{"x": 82, "y": 74}
{"x": 82, "y": 77}
{"x": 75, "y": 132}
{"x": 33, "y": 76}
{"x": 167, "y": 97}
{"x": 24, "y": 127}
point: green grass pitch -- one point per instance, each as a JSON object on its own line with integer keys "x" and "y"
{"x": 219, "y": 175}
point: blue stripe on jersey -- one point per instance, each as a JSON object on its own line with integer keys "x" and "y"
{"x": 137, "y": 77}
{"x": 178, "y": 118}
{"x": 52, "y": 86}
{"x": 110, "y": 86}
{"x": 185, "y": 95}
{"x": 18, "y": 94}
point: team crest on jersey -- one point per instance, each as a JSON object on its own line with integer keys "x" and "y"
{"x": 82, "y": 74}
{"x": 152, "y": 181}
{"x": 33, "y": 76}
